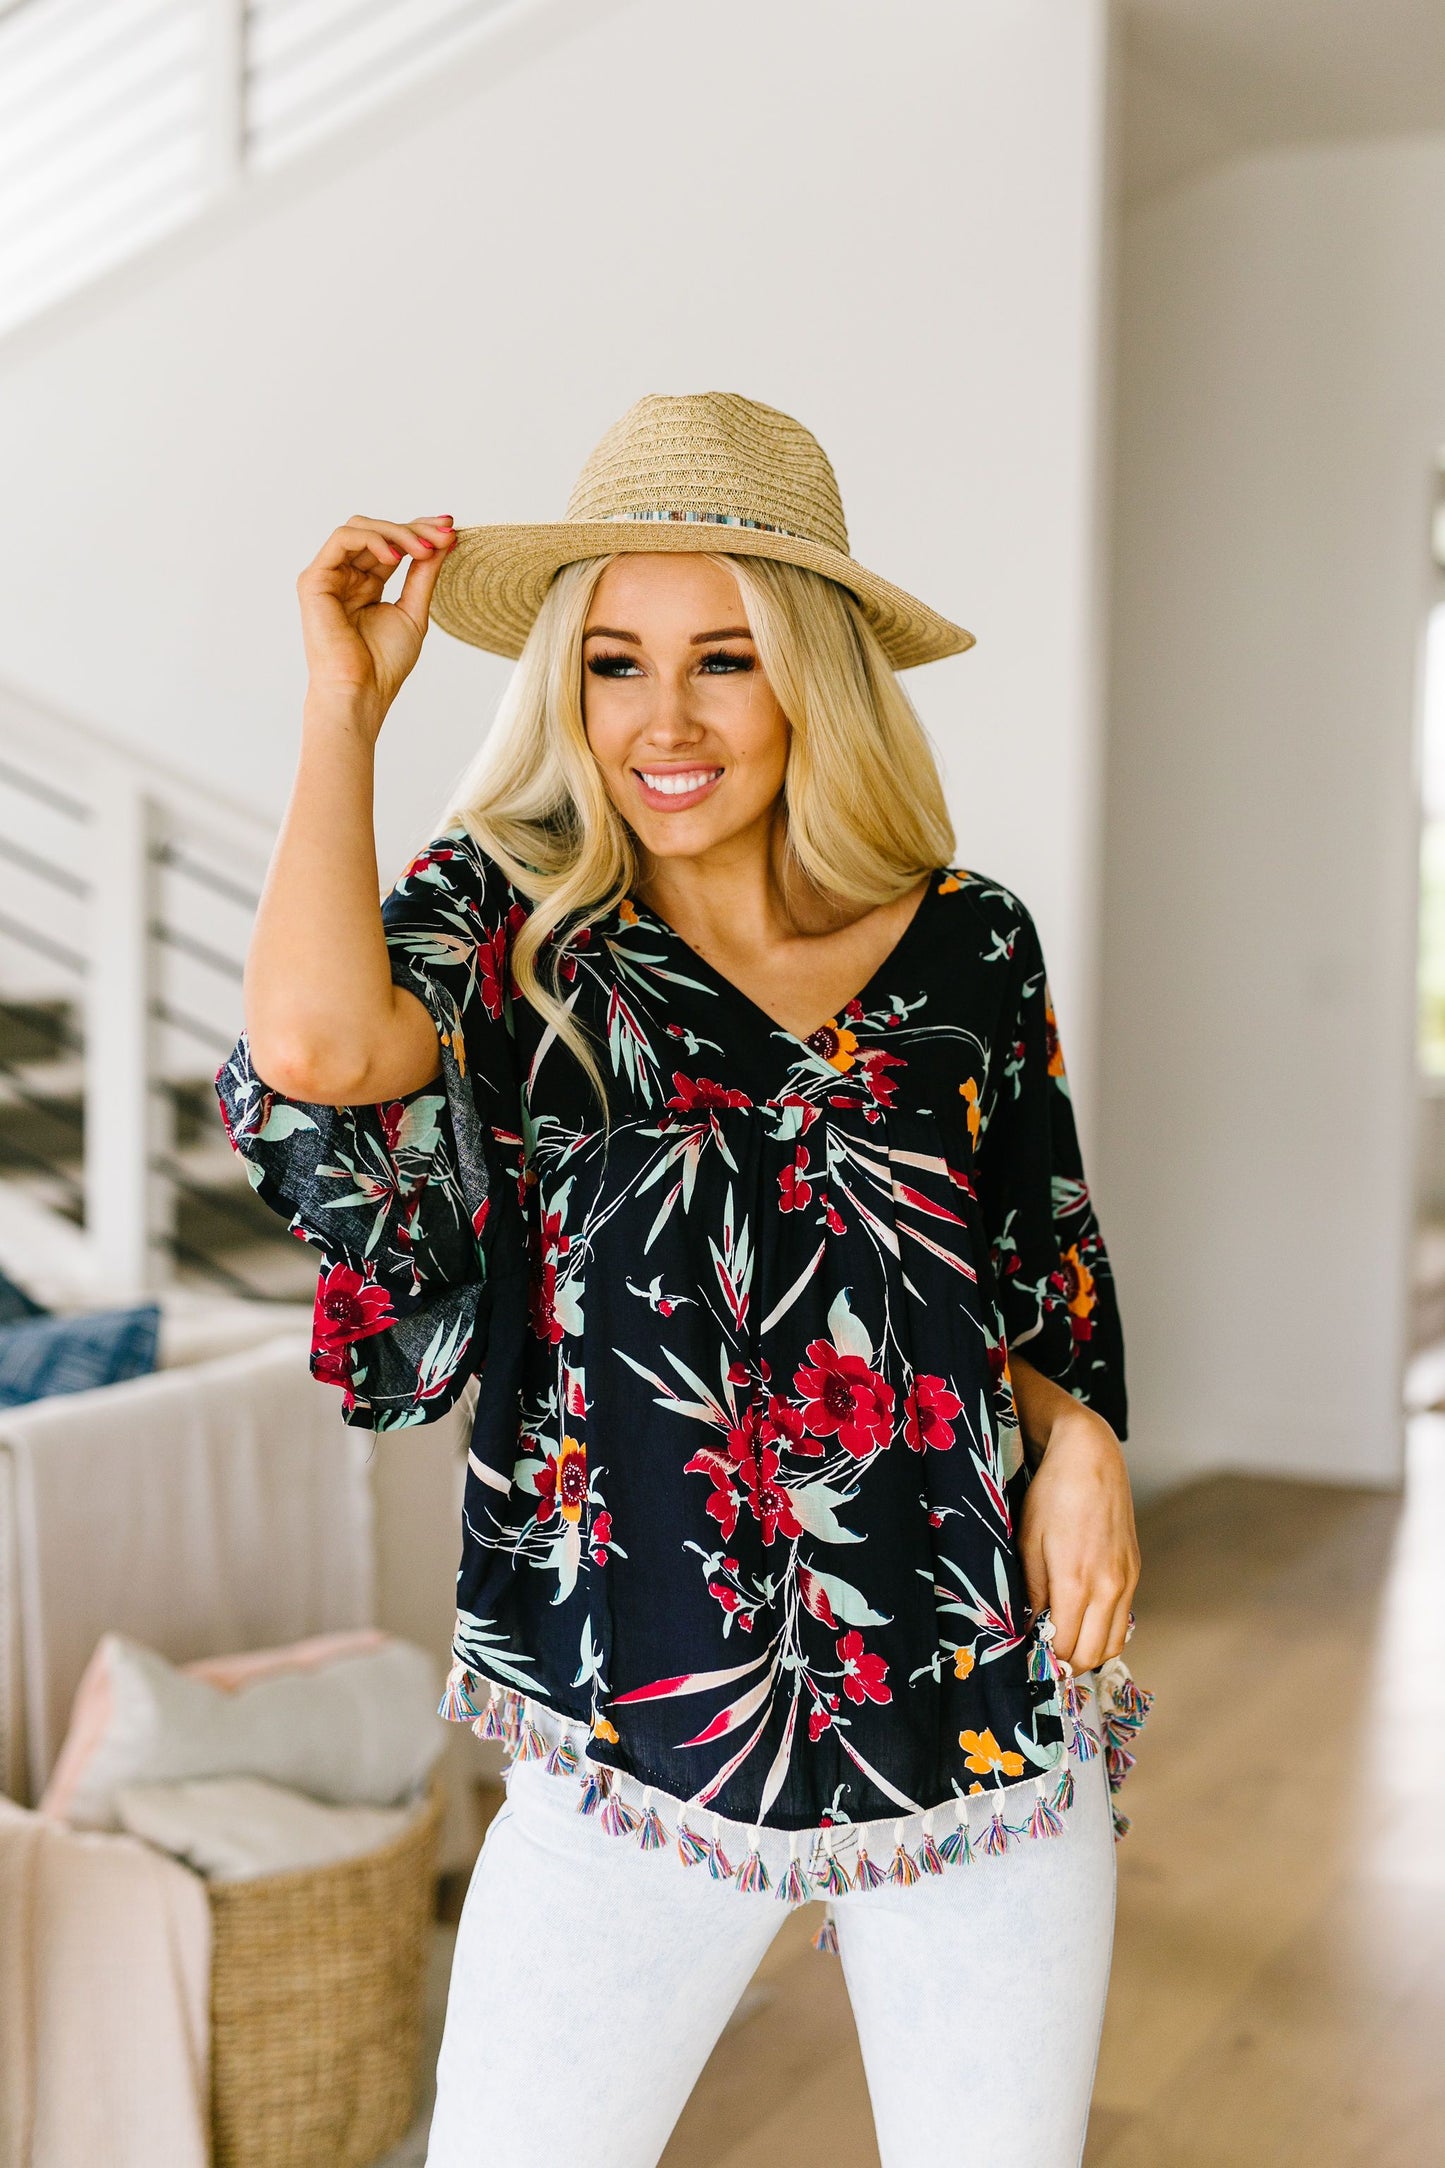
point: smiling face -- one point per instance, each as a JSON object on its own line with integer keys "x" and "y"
{"x": 681, "y": 720}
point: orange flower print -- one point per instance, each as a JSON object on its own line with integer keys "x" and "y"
{"x": 969, "y": 1090}
{"x": 627, "y": 912}
{"x": 835, "y": 1042}
{"x": 951, "y": 881}
{"x": 458, "y": 1045}
{"x": 1079, "y": 1288}
{"x": 983, "y": 1753}
{"x": 1051, "y": 1036}
{"x": 962, "y": 1663}
{"x": 601, "y": 1729}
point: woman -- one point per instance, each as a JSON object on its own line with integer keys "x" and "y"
{"x": 684, "y": 1095}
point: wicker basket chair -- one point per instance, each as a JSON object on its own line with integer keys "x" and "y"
{"x": 318, "y": 1981}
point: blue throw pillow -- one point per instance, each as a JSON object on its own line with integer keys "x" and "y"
{"x": 48, "y": 1355}
{"x": 15, "y": 1303}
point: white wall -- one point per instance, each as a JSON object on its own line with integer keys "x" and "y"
{"x": 886, "y": 221}
{"x": 1282, "y": 395}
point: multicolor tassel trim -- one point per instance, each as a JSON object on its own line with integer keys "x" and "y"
{"x": 1122, "y": 1824}
{"x": 753, "y": 1876}
{"x": 693, "y": 1850}
{"x": 564, "y": 1759}
{"x": 531, "y": 1746}
{"x": 719, "y": 1866}
{"x": 617, "y": 1817}
{"x": 826, "y": 1939}
{"x": 1044, "y": 1667}
{"x": 1118, "y": 1761}
{"x": 795, "y": 1888}
{"x": 957, "y": 1847}
{"x": 1044, "y": 1821}
{"x": 1123, "y": 1705}
{"x": 828, "y": 1871}
{"x": 865, "y": 1874}
{"x": 489, "y": 1723}
{"x": 652, "y": 1830}
{"x": 594, "y": 1790}
{"x": 995, "y": 1839}
{"x": 456, "y": 1703}
{"x": 902, "y": 1868}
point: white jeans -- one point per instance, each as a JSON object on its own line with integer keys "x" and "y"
{"x": 591, "y": 1980}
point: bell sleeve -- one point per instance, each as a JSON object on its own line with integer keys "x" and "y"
{"x": 1055, "y": 1283}
{"x": 396, "y": 1198}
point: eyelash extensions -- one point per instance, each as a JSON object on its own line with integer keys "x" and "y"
{"x": 616, "y": 666}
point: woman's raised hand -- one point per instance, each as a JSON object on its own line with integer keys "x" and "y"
{"x": 360, "y": 649}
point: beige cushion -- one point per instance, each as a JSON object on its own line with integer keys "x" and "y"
{"x": 358, "y": 1727}
{"x": 232, "y": 1828}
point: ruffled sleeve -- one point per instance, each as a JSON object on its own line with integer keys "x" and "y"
{"x": 397, "y": 1198}
{"x": 1055, "y": 1282}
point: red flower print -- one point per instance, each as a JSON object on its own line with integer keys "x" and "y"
{"x": 805, "y": 1110}
{"x": 837, "y": 1225}
{"x": 927, "y": 1414}
{"x": 491, "y": 967}
{"x": 755, "y": 1466}
{"x": 727, "y": 1597}
{"x": 819, "y": 1719}
{"x": 349, "y": 1307}
{"x": 600, "y": 1537}
{"x": 548, "y": 1244}
{"x": 770, "y": 1502}
{"x": 843, "y": 1398}
{"x": 875, "y": 1063}
{"x": 562, "y": 1483}
{"x": 737, "y": 1373}
{"x": 797, "y": 1191}
{"x": 392, "y": 1116}
{"x": 864, "y": 1674}
{"x": 783, "y": 1425}
{"x": 699, "y": 1095}
{"x": 725, "y": 1502}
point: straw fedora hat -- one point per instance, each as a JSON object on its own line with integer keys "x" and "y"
{"x": 712, "y": 471}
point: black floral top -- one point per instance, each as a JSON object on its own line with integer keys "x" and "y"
{"x": 745, "y": 1464}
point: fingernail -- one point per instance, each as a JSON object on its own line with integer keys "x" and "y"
{"x": 444, "y": 519}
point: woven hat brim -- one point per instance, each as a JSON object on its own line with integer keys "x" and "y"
{"x": 491, "y": 586}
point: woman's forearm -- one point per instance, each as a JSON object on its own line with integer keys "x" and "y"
{"x": 324, "y": 1019}
{"x": 318, "y": 989}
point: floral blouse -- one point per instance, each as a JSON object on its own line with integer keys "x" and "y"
{"x": 745, "y": 1465}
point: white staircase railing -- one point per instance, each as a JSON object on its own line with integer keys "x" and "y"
{"x": 126, "y": 897}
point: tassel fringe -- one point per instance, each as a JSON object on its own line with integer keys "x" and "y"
{"x": 865, "y": 1874}
{"x": 693, "y": 1850}
{"x": 617, "y": 1818}
{"x": 564, "y": 1760}
{"x": 995, "y": 1839}
{"x": 1123, "y": 1706}
{"x": 753, "y": 1876}
{"x": 795, "y": 1888}
{"x": 652, "y": 1832}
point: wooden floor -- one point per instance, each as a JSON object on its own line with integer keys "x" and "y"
{"x": 1279, "y": 1979}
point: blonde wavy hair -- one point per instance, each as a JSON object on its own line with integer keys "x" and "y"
{"x": 863, "y": 806}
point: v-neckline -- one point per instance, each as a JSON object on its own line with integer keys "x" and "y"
{"x": 779, "y": 1030}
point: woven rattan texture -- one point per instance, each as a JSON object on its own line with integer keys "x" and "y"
{"x": 317, "y": 1986}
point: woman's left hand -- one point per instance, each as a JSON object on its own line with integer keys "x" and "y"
{"x": 1077, "y": 1538}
